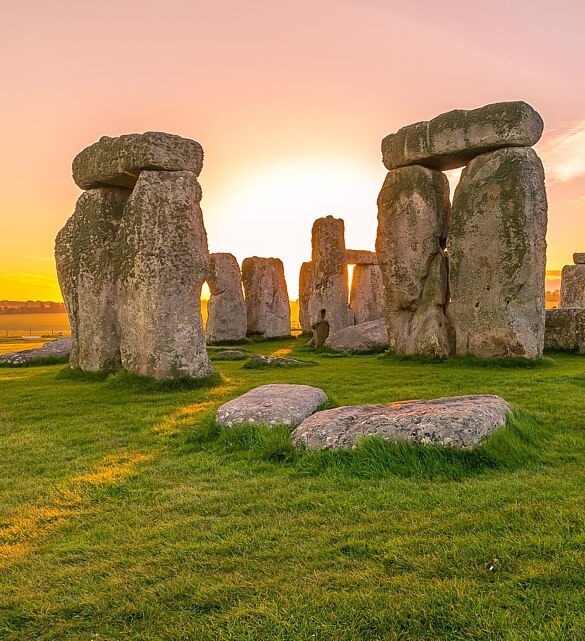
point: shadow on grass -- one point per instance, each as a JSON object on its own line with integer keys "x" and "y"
{"x": 473, "y": 362}
{"x": 122, "y": 380}
{"x": 520, "y": 445}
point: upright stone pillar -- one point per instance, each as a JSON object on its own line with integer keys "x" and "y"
{"x": 161, "y": 262}
{"x": 573, "y": 283}
{"x": 329, "y": 293}
{"x": 305, "y": 293}
{"x": 497, "y": 255}
{"x": 267, "y": 303}
{"x": 366, "y": 298}
{"x": 413, "y": 221}
{"x": 84, "y": 259}
{"x": 226, "y": 309}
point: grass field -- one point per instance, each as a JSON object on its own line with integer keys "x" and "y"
{"x": 125, "y": 514}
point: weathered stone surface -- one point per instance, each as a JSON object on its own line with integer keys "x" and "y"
{"x": 226, "y": 308}
{"x": 272, "y": 405}
{"x": 267, "y": 304}
{"x": 497, "y": 255}
{"x": 452, "y": 139}
{"x": 361, "y": 257}
{"x": 84, "y": 257}
{"x": 230, "y": 355}
{"x": 119, "y": 161}
{"x": 358, "y": 338}
{"x": 329, "y": 292}
{"x": 579, "y": 258}
{"x": 565, "y": 329}
{"x": 366, "y": 298}
{"x": 458, "y": 421}
{"x": 305, "y": 293}
{"x": 260, "y": 361}
{"x": 161, "y": 261}
{"x": 57, "y": 348}
{"x": 572, "y": 286}
{"x": 413, "y": 221}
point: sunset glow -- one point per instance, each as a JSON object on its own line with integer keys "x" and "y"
{"x": 289, "y": 100}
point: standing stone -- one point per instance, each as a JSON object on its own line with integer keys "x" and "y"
{"x": 572, "y": 286}
{"x": 305, "y": 293}
{"x": 161, "y": 260}
{"x": 367, "y": 293}
{"x": 413, "y": 220}
{"x": 579, "y": 258}
{"x": 329, "y": 291}
{"x": 452, "y": 139}
{"x": 226, "y": 309}
{"x": 267, "y": 304}
{"x": 497, "y": 254}
{"x": 84, "y": 257}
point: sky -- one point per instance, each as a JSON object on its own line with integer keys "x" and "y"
{"x": 290, "y": 101}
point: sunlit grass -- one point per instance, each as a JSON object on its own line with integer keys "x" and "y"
{"x": 126, "y": 513}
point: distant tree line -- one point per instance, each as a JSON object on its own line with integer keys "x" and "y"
{"x": 30, "y": 307}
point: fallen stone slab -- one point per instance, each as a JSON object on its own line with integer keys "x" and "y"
{"x": 119, "y": 161}
{"x": 564, "y": 329}
{"x": 230, "y": 355}
{"x": 58, "y": 348}
{"x": 579, "y": 258}
{"x": 457, "y": 421}
{"x": 452, "y": 139}
{"x": 260, "y": 360}
{"x": 360, "y": 338}
{"x": 276, "y": 404}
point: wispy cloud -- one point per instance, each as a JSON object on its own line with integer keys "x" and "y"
{"x": 563, "y": 153}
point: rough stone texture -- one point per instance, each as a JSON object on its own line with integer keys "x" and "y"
{"x": 572, "y": 286}
{"x": 366, "y": 298}
{"x": 267, "y": 304}
{"x": 452, "y": 139}
{"x": 579, "y": 258}
{"x": 161, "y": 261}
{"x": 361, "y": 257}
{"x": 119, "y": 161}
{"x": 565, "y": 329}
{"x": 413, "y": 222}
{"x": 260, "y": 360}
{"x": 458, "y": 421}
{"x": 305, "y": 292}
{"x": 230, "y": 355}
{"x": 84, "y": 257}
{"x": 272, "y": 405}
{"x": 329, "y": 289}
{"x": 226, "y": 308}
{"x": 497, "y": 255}
{"x": 358, "y": 338}
{"x": 57, "y": 348}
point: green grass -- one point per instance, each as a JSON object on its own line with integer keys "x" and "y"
{"x": 126, "y": 513}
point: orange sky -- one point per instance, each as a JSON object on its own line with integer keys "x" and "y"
{"x": 289, "y": 99}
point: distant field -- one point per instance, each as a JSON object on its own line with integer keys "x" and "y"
{"x": 35, "y": 324}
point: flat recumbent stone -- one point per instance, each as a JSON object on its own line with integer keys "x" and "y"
{"x": 119, "y": 161}
{"x": 276, "y": 404}
{"x": 457, "y": 421}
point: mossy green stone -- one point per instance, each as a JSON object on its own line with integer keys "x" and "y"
{"x": 452, "y": 139}
{"x": 497, "y": 255}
